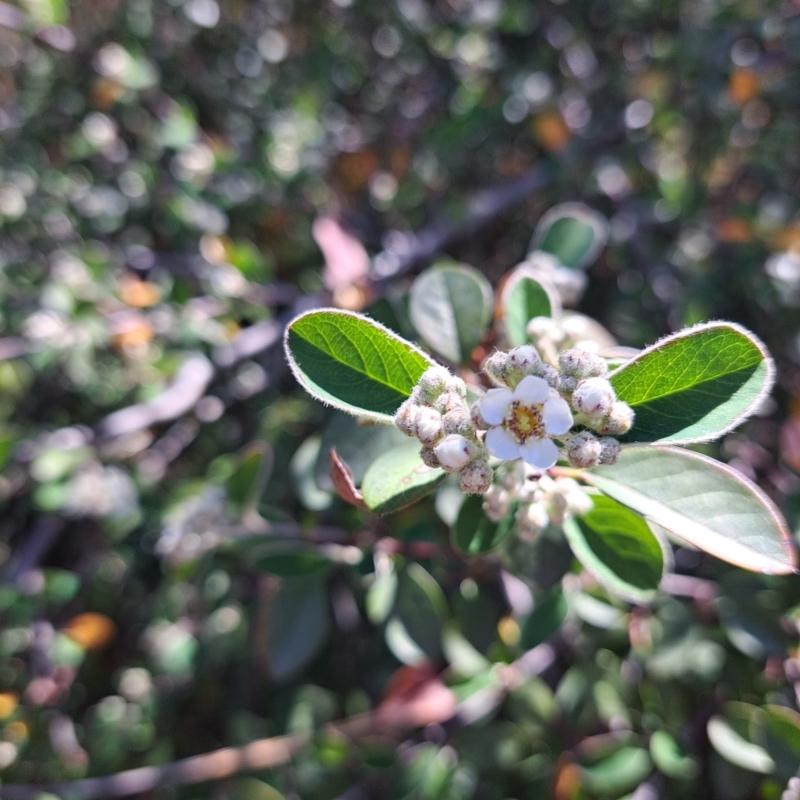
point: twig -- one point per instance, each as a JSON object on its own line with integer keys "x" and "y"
{"x": 35, "y": 545}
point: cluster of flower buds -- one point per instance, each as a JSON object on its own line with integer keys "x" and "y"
{"x": 438, "y": 416}
{"x": 541, "y": 500}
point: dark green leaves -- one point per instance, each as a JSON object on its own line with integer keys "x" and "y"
{"x": 546, "y": 618}
{"x": 695, "y": 385}
{"x": 524, "y": 297}
{"x": 474, "y": 533}
{"x": 353, "y": 363}
{"x": 618, "y": 548}
{"x": 573, "y": 233}
{"x": 398, "y": 478}
{"x": 703, "y": 502}
{"x": 451, "y": 307}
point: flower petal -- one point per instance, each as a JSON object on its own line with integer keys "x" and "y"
{"x": 557, "y": 417}
{"x": 532, "y": 390}
{"x": 502, "y": 444}
{"x": 539, "y": 453}
{"x": 494, "y": 405}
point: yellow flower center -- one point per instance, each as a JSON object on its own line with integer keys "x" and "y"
{"x": 525, "y": 422}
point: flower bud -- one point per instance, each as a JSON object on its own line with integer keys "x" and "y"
{"x": 455, "y": 385}
{"x": 525, "y": 358}
{"x": 428, "y": 426}
{"x": 459, "y": 421}
{"x": 495, "y": 367}
{"x": 476, "y": 478}
{"x": 593, "y": 396}
{"x": 406, "y": 416}
{"x": 531, "y": 521}
{"x": 496, "y": 503}
{"x": 448, "y": 402}
{"x": 477, "y": 418}
{"x": 429, "y": 458}
{"x": 581, "y": 364}
{"x": 433, "y": 382}
{"x": 619, "y": 419}
{"x": 455, "y": 452}
{"x": 609, "y": 450}
{"x": 550, "y": 374}
{"x": 583, "y": 450}
{"x": 567, "y": 385}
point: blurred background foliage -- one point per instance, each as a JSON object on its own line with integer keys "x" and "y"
{"x": 176, "y": 180}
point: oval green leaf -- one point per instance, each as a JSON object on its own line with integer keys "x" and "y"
{"x": 573, "y": 233}
{"x": 289, "y": 559}
{"x": 451, "y": 307}
{"x": 546, "y": 618}
{"x": 398, "y": 478}
{"x": 474, "y": 533}
{"x": 694, "y": 386}
{"x": 353, "y": 363}
{"x": 670, "y": 759}
{"x": 618, "y": 548}
{"x": 297, "y": 624}
{"x": 618, "y": 773}
{"x": 525, "y": 296}
{"x": 703, "y": 502}
{"x": 734, "y": 747}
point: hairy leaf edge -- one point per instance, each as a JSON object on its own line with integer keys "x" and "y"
{"x": 748, "y": 412}
{"x": 293, "y": 366}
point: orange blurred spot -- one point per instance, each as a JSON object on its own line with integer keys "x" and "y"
{"x": 131, "y": 332}
{"x": 353, "y": 170}
{"x": 567, "y": 781}
{"x": 91, "y": 631}
{"x": 785, "y": 239}
{"x": 350, "y": 297}
{"x": 138, "y": 294}
{"x": 8, "y": 704}
{"x": 215, "y": 249}
{"x": 105, "y": 93}
{"x": 551, "y": 131}
{"x": 15, "y": 732}
{"x": 743, "y": 86}
{"x": 734, "y": 231}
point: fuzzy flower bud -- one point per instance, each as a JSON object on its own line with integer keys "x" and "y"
{"x": 525, "y": 358}
{"x": 428, "y": 426}
{"x": 406, "y": 417}
{"x": 550, "y": 374}
{"x": 433, "y": 382}
{"x": 496, "y": 366}
{"x": 583, "y": 450}
{"x": 567, "y": 385}
{"x": 476, "y": 478}
{"x": 609, "y": 450}
{"x": 429, "y": 457}
{"x": 619, "y": 419}
{"x": 531, "y": 521}
{"x": 455, "y": 385}
{"x": 448, "y": 402}
{"x": 581, "y": 364}
{"x": 593, "y": 396}
{"x": 477, "y": 418}
{"x": 496, "y": 503}
{"x": 455, "y": 452}
{"x": 459, "y": 421}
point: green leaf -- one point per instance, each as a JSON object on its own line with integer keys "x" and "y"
{"x": 618, "y": 773}
{"x": 670, "y": 759}
{"x": 398, "y": 478}
{"x": 618, "y": 548}
{"x": 451, "y": 307}
{"x": 573, "y": 233}
{"x": 703, "y": 502}
{"x": 546, "y": 618}
{"x": 289, "y": 559}
{"x": 250, "y": 476}
{"x": 524, "y": 297}
{"x": 352, "y": 362}
{"x": 297, "y": 624}
{"x": 414, "y": 630}
{"x": 734, "y": 747}
{"x": 474, "y": 533}
{"x": 694, "y": 386}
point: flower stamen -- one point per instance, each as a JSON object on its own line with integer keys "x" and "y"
{"x": 525, "y": 421}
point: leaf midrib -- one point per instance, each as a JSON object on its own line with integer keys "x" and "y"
{"x": 689, "y": 387}
{"x": 331, "y": 354}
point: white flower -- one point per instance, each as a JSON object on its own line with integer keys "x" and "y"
{"x": 524, "y": 420}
